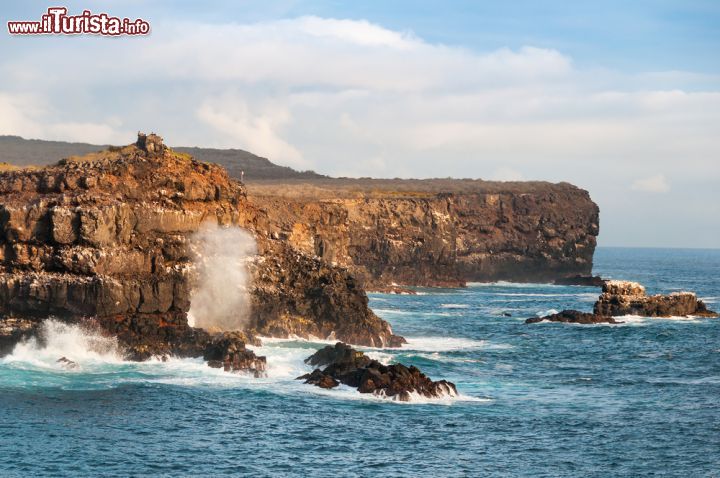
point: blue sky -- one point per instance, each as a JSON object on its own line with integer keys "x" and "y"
{"x": 620, "y": 98}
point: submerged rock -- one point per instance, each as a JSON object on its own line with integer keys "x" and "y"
{"x": 344, "y": 364}
{"x": 67, "y": 363}
{"x": 573, "y": 317}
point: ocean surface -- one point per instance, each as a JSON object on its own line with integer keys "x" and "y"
{"x": 637, "y": 399}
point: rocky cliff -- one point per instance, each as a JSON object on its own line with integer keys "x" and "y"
{"x": 411, "y": 232}
{"x": 103, "y": 238}
{"x": 418, "y": 233}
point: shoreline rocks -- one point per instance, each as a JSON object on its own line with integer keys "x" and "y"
{"x": 344, "y": 364}
{"x": 227, "y": 351}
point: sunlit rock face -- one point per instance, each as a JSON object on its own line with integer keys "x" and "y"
{"x": 106, "y": 238}
{"x": 437, "y": 232}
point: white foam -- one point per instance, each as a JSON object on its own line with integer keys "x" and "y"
{"x": 446, "y": 344}
{"x": 101, "y": 361}
{"x": 640, "y": 320}
{"x": 547, "y": 312}
{"x": 454, "y": 306}
{"x": 502, "y": 283}
{"x": 82, "y": 346}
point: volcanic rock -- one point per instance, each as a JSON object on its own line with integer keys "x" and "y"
{"x": 620, "y": 298}
{"x": 344, "y": 364}
{"x": 582, "y": 280}
{"x": 67, "y": 363}
{"x": 14, "y": 330}
{"x": 573, "y": 317}
{"x": 439, "y": 233}
{"x": 228, "y": 351}
{"x": 629, "y": 298}
{"x": 106, "y": 236}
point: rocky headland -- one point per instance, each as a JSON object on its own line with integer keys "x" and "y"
{"x": 621, "y": 298}
{"x": 394, "y": 233}
{"x": 438, "y": 233}
{"x": 103, "y": 240}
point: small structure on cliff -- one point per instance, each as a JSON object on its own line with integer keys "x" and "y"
{"x": 150, "y": 143}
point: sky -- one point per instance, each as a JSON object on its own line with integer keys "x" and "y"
{"x": 619, "y": 98}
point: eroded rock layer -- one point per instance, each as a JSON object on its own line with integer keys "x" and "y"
{"x": 425, "y": 235}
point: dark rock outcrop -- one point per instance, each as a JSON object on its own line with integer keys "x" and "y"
{"x": 629, "y": 298}
{"x": 573, "y": 317}
{"x": 106, "y": 236}
{"x": 299, "y": 295}
{"x": 620, "y": 298}
{"x": 581, "y": 280}
{"x": 228, "y": 351}
{"x": 344, "y": 364}
{"x": 67, "y": 363}
{"x": 14, "y": 330}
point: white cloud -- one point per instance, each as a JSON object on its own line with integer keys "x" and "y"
{"x": 651, "y": 184}
{"x": 351, "y": 97}
{"x": 257, "y": 132}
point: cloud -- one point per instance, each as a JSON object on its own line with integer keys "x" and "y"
{"x": 651, "y": 184}
{"x": 352, "y": 97}
{"x": 257, "y": 132}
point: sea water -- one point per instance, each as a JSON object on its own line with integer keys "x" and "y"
{"x": 637, "y": 399}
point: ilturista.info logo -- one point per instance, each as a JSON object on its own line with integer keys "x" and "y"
{"x": 56, "y": 21}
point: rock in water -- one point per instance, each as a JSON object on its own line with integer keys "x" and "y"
{"x": 587, "y": 281}
{"x": 344, "y": 364}
{"x": 620, "y": 298}
{"x": 629, "y": 298}
{"x": 14, "y": 330}
{"x": 573, "y": 317}
{"x": 67, "y": 363}
{"x": 228, "y": 351}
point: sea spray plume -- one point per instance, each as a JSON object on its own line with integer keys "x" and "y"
{"x": 221, "y": 300}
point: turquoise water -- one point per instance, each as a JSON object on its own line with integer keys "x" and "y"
{"x": 638, "y": 399}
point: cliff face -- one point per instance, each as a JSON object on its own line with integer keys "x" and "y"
{"x": 104, "y": 238}
{"x": 419, "y": 237}
{"x": 414, "y": 232}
